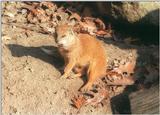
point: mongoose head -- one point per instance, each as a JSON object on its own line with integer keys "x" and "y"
{"x": 65, "y": 36}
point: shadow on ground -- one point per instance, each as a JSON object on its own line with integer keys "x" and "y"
{"x": 36, "y": 52}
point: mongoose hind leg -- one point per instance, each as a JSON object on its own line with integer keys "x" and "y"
{"x": 92, "y": 75}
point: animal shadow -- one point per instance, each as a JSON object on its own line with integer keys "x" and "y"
{"x": 19, "y": 51}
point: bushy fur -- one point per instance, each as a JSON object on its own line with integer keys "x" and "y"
{"x": 83, "y": 53}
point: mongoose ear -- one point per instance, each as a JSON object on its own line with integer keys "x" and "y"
{"x": 72, "y": 22}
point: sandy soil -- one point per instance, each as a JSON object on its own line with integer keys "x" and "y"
{"x": 30, "y": 81}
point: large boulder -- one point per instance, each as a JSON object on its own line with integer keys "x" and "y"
{"x": 131, "y": 12}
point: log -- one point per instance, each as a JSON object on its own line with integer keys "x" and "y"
{"x": 146, "y": 101}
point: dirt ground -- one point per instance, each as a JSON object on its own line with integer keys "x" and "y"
{"x": 30, "y": 82}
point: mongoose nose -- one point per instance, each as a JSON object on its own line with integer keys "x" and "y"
{"x": 60, "y": 45}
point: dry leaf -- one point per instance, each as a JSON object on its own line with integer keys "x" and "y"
{"x": 114, "y": 78}
{"x": 47, "y": 4}
{"x": 9, "y": 14}
{"x": 75, "y": 16}
{"x": 98, "y": 97}
{"x": 78, "y": 101}
{"x": 129, "y": 67}
{"x": 103, "y": 33}
{"x": 6, "y": 38}
{"x": 100, "y": 23}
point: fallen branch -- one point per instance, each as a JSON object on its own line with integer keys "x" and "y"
{"x": 31, "y": 28}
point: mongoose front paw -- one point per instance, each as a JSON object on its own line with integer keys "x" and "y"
{"x": 64, "y": 76}
{"x": 86, "y": 88}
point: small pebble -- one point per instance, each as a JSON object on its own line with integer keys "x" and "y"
{"x": 30, "y": 69}
{"x": 24, "y": 11}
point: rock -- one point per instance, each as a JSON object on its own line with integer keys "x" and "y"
{"x": 24, "y": 11}
{"x": 131, "y": 12}
{"x": 6, "y": 38}
{"x": 87, "y": 12}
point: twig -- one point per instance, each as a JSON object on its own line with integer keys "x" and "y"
{"x": 31, "y": 28}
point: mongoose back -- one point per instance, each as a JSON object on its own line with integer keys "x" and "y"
{"x": 81, "y": 52}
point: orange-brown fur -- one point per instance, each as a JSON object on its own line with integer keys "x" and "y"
{"x": 85, "y": 54}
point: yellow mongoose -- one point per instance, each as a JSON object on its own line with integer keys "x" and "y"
{"x": 81, "y": 52}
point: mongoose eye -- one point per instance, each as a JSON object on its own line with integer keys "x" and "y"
{"x": 63, "y": 36}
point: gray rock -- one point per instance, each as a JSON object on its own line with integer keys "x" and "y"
{"x": 131, "y": 12}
